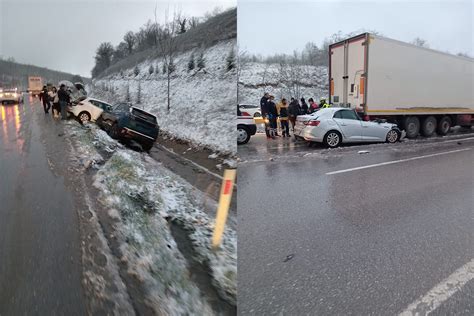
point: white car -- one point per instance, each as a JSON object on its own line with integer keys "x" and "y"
{"x": 252, "y": 110}
{"x": 88, "y": 109}
{"x": 10, "y": 95}
{"x": 246, "y": 127}
{"x": 333, "y": 126}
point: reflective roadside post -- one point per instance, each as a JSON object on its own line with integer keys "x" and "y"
{"x": 223, "y": 208}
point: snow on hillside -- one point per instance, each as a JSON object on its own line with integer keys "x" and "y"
{"x": 203, "y": 102}
{"x": 256, "y": 78}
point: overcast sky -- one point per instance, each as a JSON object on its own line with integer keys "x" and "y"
{"x": 280, "y": 26}
{"x": 64, "y": 34}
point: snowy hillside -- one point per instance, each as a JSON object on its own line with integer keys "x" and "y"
{"x": 281, "y": 81}
{"x": 202, "y": 108}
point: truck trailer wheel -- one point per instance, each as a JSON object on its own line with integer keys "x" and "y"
{"x": 429, "y": 126}
{"x": 444, "y": 125}
{"x": 412, "y": 126}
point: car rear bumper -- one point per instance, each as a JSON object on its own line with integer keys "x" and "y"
{"x": 313, "y": 134}
{"x": 131, "y": 134}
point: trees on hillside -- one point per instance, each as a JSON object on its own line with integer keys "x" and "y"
{"x": 103, "y": 58}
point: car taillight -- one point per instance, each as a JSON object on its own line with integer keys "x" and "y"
{"x": 245, "y": 114}
{"x": 312, "y": 123}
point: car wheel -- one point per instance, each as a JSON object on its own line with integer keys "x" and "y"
{"x": 393, "y": 136}
{"x": 444, "y": 125}
{"x": 243, "y": 135}
{"x": 147, "y": 146}
{"x": 84, "y": 117}
{"x": 257, "y": 114}
{"x": 114, "y": 131}
{"x": 332, "y": 139}
{"x": 429, "y": 126}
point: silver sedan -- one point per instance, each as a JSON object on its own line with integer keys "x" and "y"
{"x": 333, "y": 126}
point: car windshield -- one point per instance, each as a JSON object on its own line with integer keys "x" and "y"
{"x": 121, "y": 107}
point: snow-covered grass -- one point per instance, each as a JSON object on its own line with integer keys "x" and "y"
{"x": 141, "y": 195}
{"x": 203, "y": 102}
{"x": 256, "y": 78}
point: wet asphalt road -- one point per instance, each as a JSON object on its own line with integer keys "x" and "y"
{"x": 363, "y": 242}
{"x": 40, "y": 256}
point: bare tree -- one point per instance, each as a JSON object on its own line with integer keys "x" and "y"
{"x": 182, "y": 21}
{"x": 193, "y": 22}
{"x": 420, "y": 42}
{"x": 242, "y": 62}
{"x": 168, "y": 47}
{"x": 130, "y": 40}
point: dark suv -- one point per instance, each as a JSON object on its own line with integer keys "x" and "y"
{"x": 124, "y": 121}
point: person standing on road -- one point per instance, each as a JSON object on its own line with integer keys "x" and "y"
{"x": 46, "y": 100}
{"x": 264, "y": 110}
{"x": 282, "y": 109}
{"x": 56, "y": 109}
{"x": 64, "y": 100}
{"x": 293, "y": 112}
{"x": 272, "y": 115}
{"x": 313, "y": 106}
{"x": 323, "y": 104}
{"x": 304, "y": 107}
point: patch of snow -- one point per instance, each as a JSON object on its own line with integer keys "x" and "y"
{"x": 257, "y": 78}
{"x": 141, "y": 194}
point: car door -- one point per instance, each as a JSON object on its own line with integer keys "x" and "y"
{"x": 96, "y": 110}
{"x": 374, "y": 131}
{"x": 349, "y": 124}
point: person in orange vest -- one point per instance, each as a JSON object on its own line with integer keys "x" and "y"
{"x": 282, "y": 109}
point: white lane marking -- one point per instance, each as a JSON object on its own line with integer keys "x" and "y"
{"x": 396, "y": 161}
{"x": 192, "y": 162}
{"x": 441, "y": 292}
{"x": 456, "y": 140}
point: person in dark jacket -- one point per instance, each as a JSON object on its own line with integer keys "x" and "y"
{"x": 264, "y": 110}
{"x": 46, "y": 100}
{"x": 304, "y": 107}
{"x": 293, "y": 112}
{"x": 272, "y": 115}
{"x": 64, "y": 100}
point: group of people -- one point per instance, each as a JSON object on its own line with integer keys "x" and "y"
{"x": 55, "y": 100}
{"x": 286, "y": 112}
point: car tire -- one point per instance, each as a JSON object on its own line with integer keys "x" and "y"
{"x": 114, "y": 131}
{"x": 429, "y": 126}
{"x": 393, "y": 136}
{"x": 84, "y": 117}
{"x": 257, "y": 114}
{"x": 412, "y": 126}
{"x": 444, "y": 125}
{"x": 243, "y": 135}
{"x": 332, "y": 139}
{"x": 147, "y": 146}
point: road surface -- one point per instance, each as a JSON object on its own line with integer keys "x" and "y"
{"x": 339, "y": 232}
{"x": 40, "y": 254}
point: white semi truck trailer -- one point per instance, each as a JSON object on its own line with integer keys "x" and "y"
{"x": 420, "y": 89}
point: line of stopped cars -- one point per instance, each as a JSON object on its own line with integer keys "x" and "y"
{"x": 330, "y": 126}
{"x": 121, "y": 121}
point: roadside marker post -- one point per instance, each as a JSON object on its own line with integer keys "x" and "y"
{"x": 223, "y": 208}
